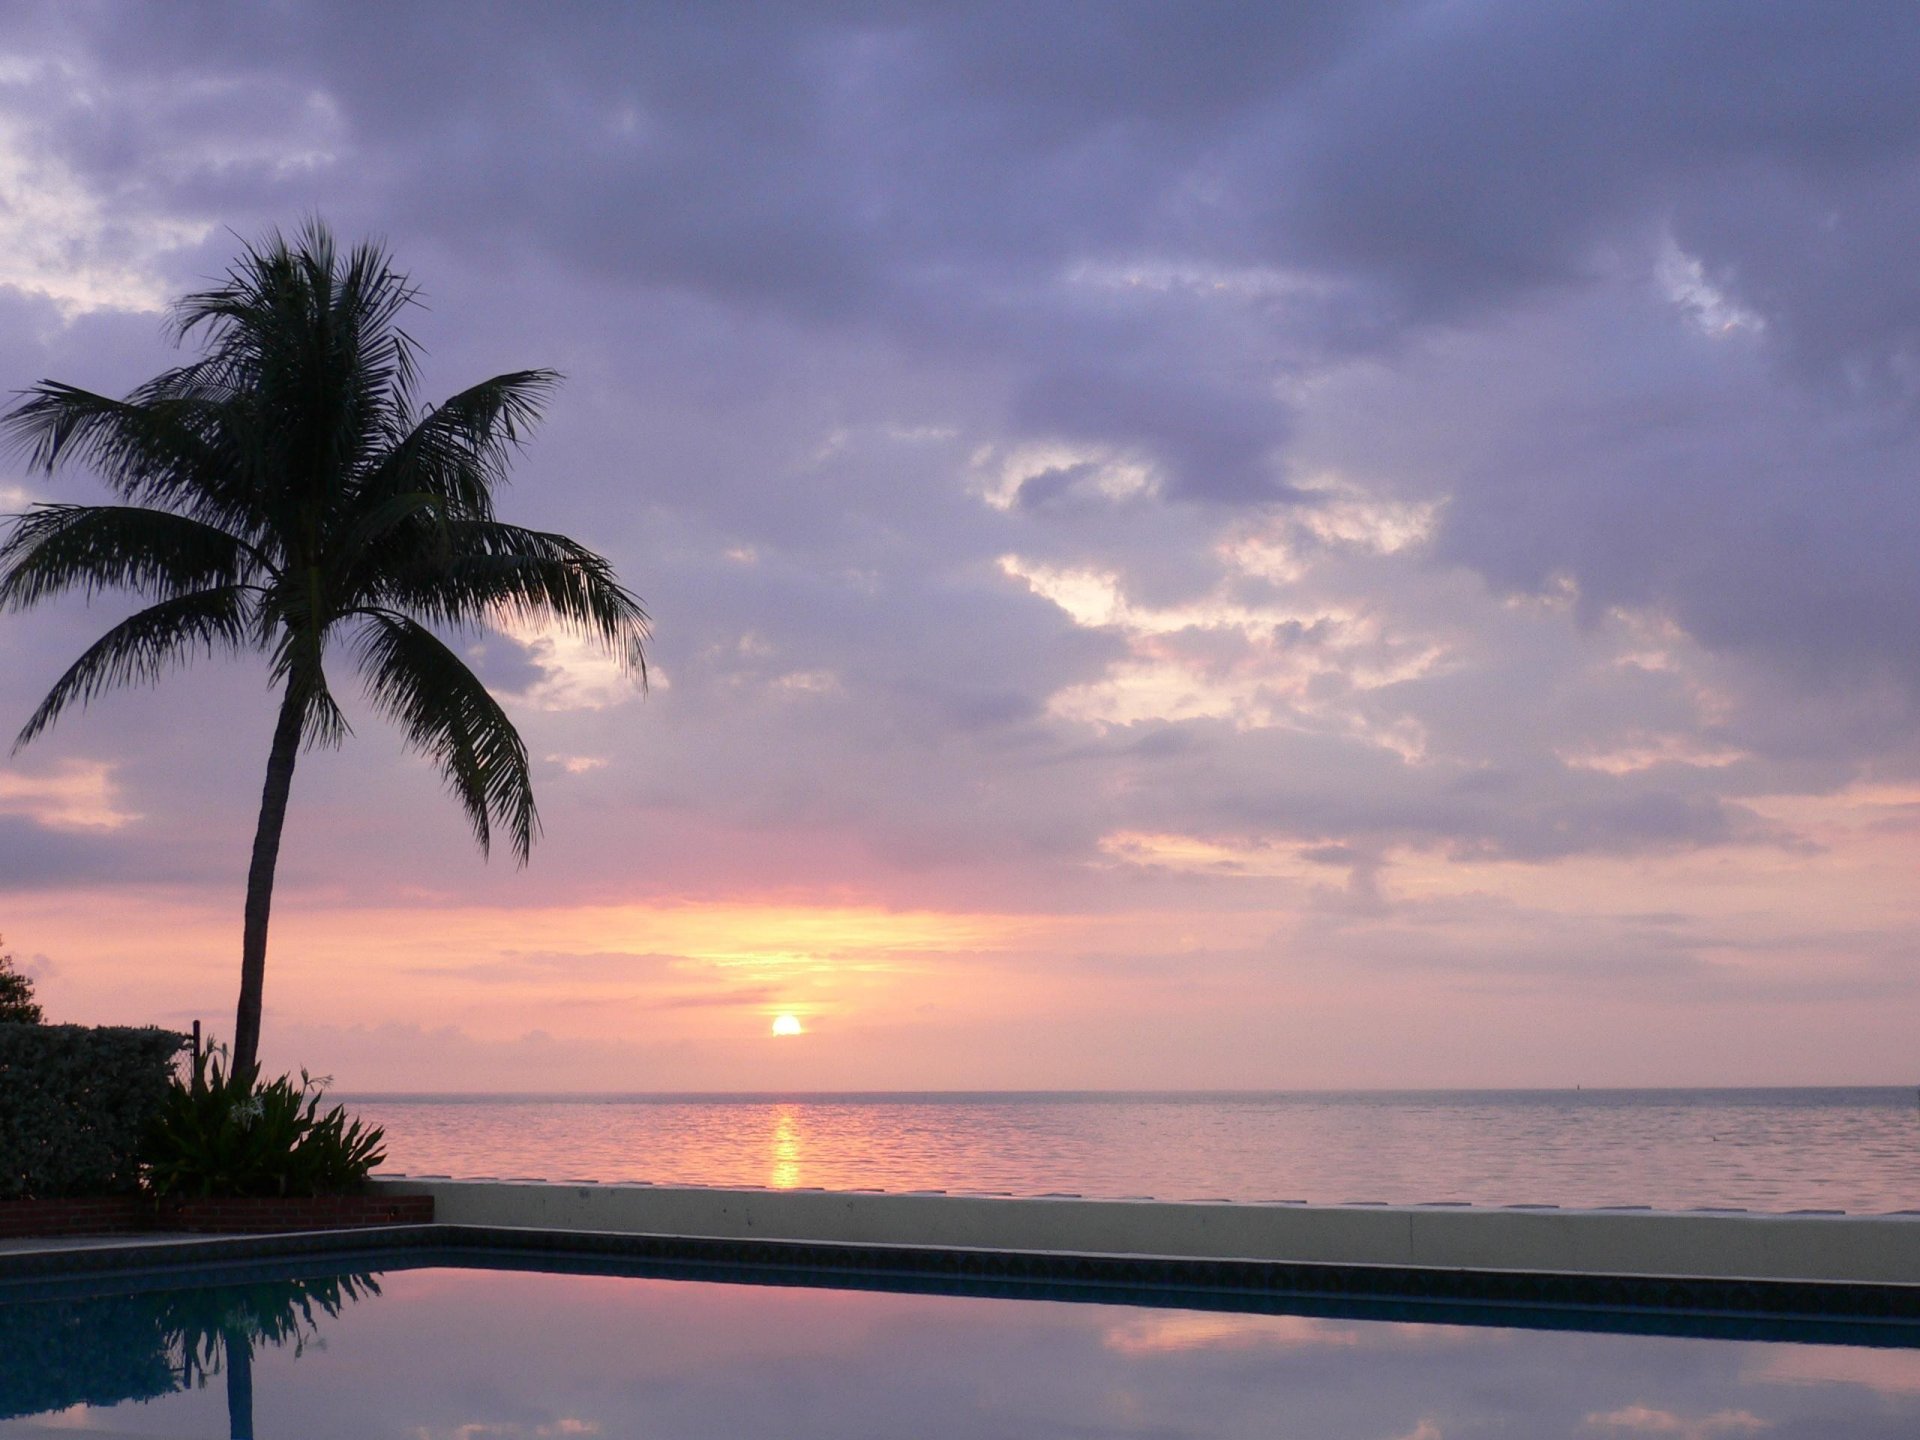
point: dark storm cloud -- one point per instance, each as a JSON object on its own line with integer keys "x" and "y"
{"x": 1477, "y": 151}
{"x": 934, "y": 174}
{"x": 1487, "y": 155}
{"x": 929, "y": 176}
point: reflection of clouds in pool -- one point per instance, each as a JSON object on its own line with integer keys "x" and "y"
{"x": 1165, "y": 1334}
{"x": 1887, "y": 1372}
{"x": 1644, "y": 1420}
{"x": 1179, "y": 1331}
{"x": 463, "y": 1354}
{"x": 487, "y": 1430}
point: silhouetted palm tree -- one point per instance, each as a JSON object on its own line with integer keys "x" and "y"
{"x": 286, "y": 491}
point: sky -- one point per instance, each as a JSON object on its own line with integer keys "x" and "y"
{"x": 1190, "y": 545}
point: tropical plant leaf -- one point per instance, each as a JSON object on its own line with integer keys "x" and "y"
{"x": 459, "y": 450}
{"x": 139, "y": 648}
{"x": 162, "y": 446}
{"x": 527, "y": 577}
{"x": 448, "y": 715}
{"x": 54, "y": 548}
{"x": 221, "y": 1131}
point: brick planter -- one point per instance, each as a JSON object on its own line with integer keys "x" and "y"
{"x": 135, "y": 1214}
{"x": 90, "y": 1215}
{"x": 318, "y": 1212}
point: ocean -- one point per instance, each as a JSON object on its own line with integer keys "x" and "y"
{"x": 1774, "y": 1149}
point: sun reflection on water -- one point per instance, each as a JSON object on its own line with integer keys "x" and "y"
{"x": 787, "y": 1136}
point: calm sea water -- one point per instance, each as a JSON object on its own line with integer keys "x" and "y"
{"x": 1845, "y": 1149}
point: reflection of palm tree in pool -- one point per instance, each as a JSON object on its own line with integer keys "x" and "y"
{"x": 107, "y": 1348}
{"x": 213, "y": 1332}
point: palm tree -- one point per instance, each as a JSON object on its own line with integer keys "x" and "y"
{"x": 284, "y": 492}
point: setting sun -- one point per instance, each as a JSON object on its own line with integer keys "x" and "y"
{"x": 786, "y": 1025}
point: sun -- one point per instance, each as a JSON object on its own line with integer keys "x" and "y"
{"x": 787, "y": 1025}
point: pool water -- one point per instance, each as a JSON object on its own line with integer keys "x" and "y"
{"x": 450, "y": 1353}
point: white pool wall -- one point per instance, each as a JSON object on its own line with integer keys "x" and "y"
{"x": 1875, "y": 1249}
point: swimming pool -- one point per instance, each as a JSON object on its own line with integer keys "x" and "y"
{"x": 451, "y": 1345}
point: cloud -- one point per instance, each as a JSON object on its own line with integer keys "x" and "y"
{"x": 78, "y": 794}
{"x": 59, "y": 239}
{"x": 649, "y": 981}
{"x": 1173, "y": 1334}
{"x": 1885, "y": 1372}
{"x": 34, "y": 855}
{"x": 1331, "y": 454}
{"x": 568, "y": 671}
{"x": 506, "y": 1430}
{"x": 1645, "y": 1420}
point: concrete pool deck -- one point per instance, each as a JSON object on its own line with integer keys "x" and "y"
{"x": 133, "y": 1240}
{"x": 1795, "y": 1248}
{"x": 1725, "y": 1273}
{"x": 1819, "y": 1278}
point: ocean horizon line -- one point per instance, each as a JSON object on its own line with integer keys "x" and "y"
{"x": 977, "y": 1096}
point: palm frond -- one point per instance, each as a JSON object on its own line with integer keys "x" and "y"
{"x": 298, "y": 322}
{"x": 496, "y": 413}
{"x": 370, "y": 299}
{"x": 164, "y": 445}
{"x": 412, "y": 524}
{"x": 55, "y": 548}
{"x": 459, "y": 450}
{"x": 296, "y": 638}
{"x": 323, "y": 722}
{"x": 447, "y": 714}
{"x": 287, "y": 305}
{"x": 499, "y": 571}
{"x": 139, "y": 649}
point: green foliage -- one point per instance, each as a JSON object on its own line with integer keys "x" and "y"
{"x": 16, "y": 996}
{"x": 74, "y": 1103}
{"x": 223, "y": 1133}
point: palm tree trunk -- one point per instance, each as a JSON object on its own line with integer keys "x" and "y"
{"x": 266, "y": 854}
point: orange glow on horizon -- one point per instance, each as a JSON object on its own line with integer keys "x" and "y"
{"x": 1223, "y": 963}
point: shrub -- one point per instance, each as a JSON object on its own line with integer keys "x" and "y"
{"x": 220, "y": 1133}
{"x": 16, "y": 996}
{"x": 75, "y": 1101}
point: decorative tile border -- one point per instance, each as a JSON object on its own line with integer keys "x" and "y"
{"x": 1887, "y": 1315}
